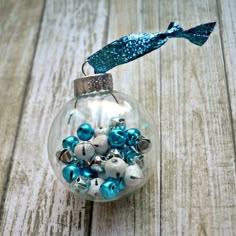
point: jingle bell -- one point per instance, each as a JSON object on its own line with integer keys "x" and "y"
{"x": 84, "y": 151}
{"x": 71, "y": 172}
{"x": 100, "y": 144}
{"x": 94, "y": 189}
{"x": 117, "y": 138}
{"x": 88, "y": 173}
{"x": 80, "y": 184}
{"x": 117, "y": 123}
{"x": 85, "y": 132}
{"x": 111, "y": 188}
{"x": 65, "y": 156}
{"x": 70, "y": 143}
{"x": 131, "y": 155}
{"x": 97, "y": 163}
{"x": 133, "y": 176}
{"x": 132, "y": 136}
{"x": 115, "y": 167}
{"x": 144, "y": 144}
{"x": 114, "y": 153}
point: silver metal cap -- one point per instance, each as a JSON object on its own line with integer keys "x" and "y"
{"x": 93, "y": 83}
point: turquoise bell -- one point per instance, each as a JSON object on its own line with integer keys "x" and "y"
{"x": 88, "y": 173}
{"x": 70, "y": 143}
{"x": 132, "y": 136}
{"x": 71, "y": 172}
{"x": 131, "y": 155}
{"x": 85, "y": 132}
{"x": 112, "y": 187}
{"x": 116, "y": 138}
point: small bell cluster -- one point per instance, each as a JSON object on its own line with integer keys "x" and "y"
{"x": 105, "y": 161}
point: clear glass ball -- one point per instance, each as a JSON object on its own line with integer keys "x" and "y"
{"x": 103, "y": 146}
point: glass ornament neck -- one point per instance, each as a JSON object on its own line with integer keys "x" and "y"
{"x": 93, "y": 84}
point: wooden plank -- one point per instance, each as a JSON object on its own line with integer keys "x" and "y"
{"x": 227, "y": 19}
{"x": 19, "y": 24}
{"x": 138, "y": 214}
{"x": 36, "y": 203}
{"x": 198, "y": 171}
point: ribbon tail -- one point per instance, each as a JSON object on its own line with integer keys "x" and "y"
{"x": 197, "y": 35}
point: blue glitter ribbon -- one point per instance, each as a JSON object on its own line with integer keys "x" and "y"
{"x": 133, "y": 46}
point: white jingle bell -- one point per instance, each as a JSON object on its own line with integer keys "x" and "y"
{"x": 115, "y": 167}
{"x": 84, "y": 151}
{"x": 101, "y": 130}
{"x": 100, "y": 144}
{"x": 94, "y": 189}
{"x": 133, "y": 176}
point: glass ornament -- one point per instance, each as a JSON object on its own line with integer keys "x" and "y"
{"x": 102, "y": 145}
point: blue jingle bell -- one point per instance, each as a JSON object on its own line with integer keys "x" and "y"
{"x": 111, "y": 188}
{"x": 132, "y": 136}
{"x": 71, "y": 172}
{"x": 117, "y": 138}
{"x": 70, "y": 143}
{"x": 85, "y": 132}
{"x": 131, "y": 155}
{"x": 88, "y": 173}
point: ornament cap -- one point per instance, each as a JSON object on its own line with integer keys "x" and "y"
{"x": 93, "y": 83}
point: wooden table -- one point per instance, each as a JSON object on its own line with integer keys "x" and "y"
{"x": 190, "y": 90}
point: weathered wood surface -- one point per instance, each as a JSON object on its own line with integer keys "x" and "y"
{"x": 189, "y": 90}
{"x": 20, "y": 25}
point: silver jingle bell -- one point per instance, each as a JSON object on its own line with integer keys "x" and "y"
{"x": 94, "y": 189}
{"x": 140, "y": 161}
{"x": 65, "y": 156}
{"x": 80, "y": 184}
{"x": 117, "y": 123}
{"x": 115, "y": 167}
{"x": 114, "y": 153}
{"x": 144, "y": 144}
{"x": 97, "y": 163}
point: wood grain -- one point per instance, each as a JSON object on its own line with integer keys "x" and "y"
{"x": 227, "y": 19}
{"x": 36, "y": 203}
{"x": 198, "y": 172}
{"x": 19, "y": 24}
